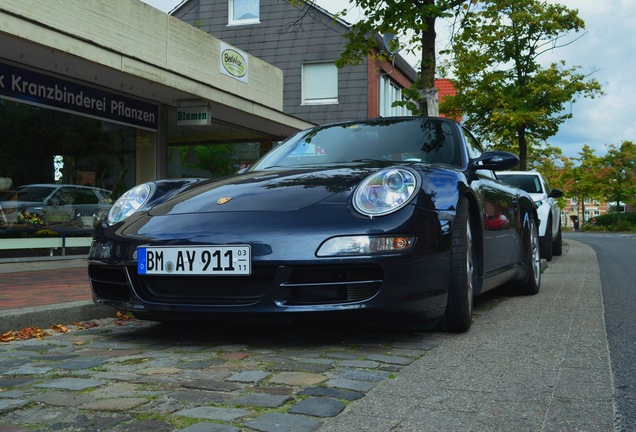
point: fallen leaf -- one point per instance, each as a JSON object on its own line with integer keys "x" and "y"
{"x": 85, "y": 324}
{"x": 125, "y": 317}
{"x": 59, "y": 328}
{"x": 121, "y": 318}
{"x": 30, "y": 333}
{"x": 8, "y": 336}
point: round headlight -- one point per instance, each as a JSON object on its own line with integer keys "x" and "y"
{"x": 129, "y": 203}
{"x": 386, "y": 191}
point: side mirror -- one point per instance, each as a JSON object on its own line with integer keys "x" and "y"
{"x": 555, "y": 193}
{"x": 496, "y": 161}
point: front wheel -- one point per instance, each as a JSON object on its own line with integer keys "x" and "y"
{"x": 459, "y": 308}
{"x": 546, "y": 242}
{"x": 532, "y": 281}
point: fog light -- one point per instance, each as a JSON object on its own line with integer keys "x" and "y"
{"x": 100, "y": 250}
{"x": 365, "y": 245}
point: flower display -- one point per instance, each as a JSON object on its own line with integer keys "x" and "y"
{"x": 25, "y": 217}
{"x": 46, "y": 233}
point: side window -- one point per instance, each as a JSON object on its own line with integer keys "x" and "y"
{"x": 64, "y": 196}
{"x": 320, "y": 83}
{"x": 86, "y": 197}
{"x": 472, "y": 145}
{"x": 475, "y": 150}
{"x": 546, "y": 187}
{"x": 243, "y": 12}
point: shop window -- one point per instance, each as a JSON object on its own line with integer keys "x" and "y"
{"x": 61, "y": 173}
{"x": 320, "y": 83}
{"x": 243, "y": 12}
{"x": 390, "y": 93}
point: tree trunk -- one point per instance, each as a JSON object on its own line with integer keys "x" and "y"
{"x": 523, "y": 148}
{"x": 428, "y": 102}
{"x": 429, "y": 105}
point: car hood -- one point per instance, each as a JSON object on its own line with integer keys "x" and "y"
{"x": 266, "y": 191}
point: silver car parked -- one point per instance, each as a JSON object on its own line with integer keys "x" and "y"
{"x": 56, "y": 204}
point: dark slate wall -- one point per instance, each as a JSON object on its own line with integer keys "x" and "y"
{"x": 287, "y": 37}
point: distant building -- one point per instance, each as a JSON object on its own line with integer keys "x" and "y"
{"x": 445, "y": 88}
{"x": 575, "y": 210}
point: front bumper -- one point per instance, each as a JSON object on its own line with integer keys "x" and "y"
{"x": 394, "y": 285}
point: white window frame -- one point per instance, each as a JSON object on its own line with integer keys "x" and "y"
{"x": 232, "y": 20}
{"x": 319, "y": 84}
{"x": 390, "y": 92}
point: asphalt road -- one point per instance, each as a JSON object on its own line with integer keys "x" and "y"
{"x": 617, "y": 261}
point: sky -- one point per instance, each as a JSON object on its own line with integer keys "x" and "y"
{"x": 606, "y": 50}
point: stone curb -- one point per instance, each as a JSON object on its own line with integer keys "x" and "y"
{"x": 48, "y": 315}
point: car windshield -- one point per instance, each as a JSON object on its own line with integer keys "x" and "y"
{"x": 387, "y": 140}
{"x": 528, "y": 183}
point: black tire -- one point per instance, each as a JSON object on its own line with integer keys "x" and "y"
{"x": 557, "y": 245}
{"x": 532, "y": 280}
{"x": 459, "y": 309}
{"x": 546, "y": 242}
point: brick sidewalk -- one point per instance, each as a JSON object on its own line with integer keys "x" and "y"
{"x": 43, "y": 287}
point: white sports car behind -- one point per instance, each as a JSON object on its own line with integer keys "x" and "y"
{"x": 547, "y": 206}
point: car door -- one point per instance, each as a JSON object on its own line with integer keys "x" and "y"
{"x": 498, "y": 214}
{"x": 555, "y": 210}
{"x": 500, "y": 223}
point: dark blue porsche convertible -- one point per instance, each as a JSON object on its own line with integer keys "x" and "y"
{"x": 399, "y": 219}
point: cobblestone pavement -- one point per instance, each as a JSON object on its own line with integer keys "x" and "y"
{"x": 537, "y": 363}
{"x": 130, "y": 375}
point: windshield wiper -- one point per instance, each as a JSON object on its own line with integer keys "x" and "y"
{"x": 371, "y": 160}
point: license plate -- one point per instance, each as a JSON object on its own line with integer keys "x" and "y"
{"x": 194, "y": 260}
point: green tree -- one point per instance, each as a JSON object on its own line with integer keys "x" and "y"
{"x": 582, "y": 181}
{"x": 618, "y": 173}
{"x": 503, "y": 92}
{"x": 414, "y": 22}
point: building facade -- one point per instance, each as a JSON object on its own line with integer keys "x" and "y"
{"x": 111, "y": 94}
{"x": 304, "y": 41}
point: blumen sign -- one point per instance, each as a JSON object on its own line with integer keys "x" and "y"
{"x": 45, "y": 90}
{"x": 194, "y": 116}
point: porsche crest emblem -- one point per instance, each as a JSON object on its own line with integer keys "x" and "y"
{"x": 223, "y": 200}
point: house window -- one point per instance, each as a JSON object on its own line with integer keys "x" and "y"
{"x": 389, "y": 93}
{"x": 244, "y": 11}
{"x": 320, "y": 83}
